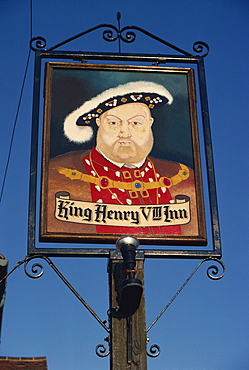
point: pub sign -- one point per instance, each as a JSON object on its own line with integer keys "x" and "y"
{"x": 121, "y": 155}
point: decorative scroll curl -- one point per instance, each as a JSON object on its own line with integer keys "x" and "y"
{"x": 35, "y": 268}
{"x": 39, "y": 41}
{"x": 130, "y": 36}
{"x": 101, "y": 350}
{"x": 108, "y": 34}
{"x": 199, "y": 46}
{"x": 212, "y": 271}
{"x": 155, "y": 351}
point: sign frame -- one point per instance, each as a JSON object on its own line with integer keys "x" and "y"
{"x": 72, "y": 208}
{"x": 37, "y": 246}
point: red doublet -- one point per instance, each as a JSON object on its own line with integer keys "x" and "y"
{"x": 96, "y": 165}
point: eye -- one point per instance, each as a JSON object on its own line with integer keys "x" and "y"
{"x": 137, "y": 124}
{"x": 137, "y": 121}
{"x": 113, "y": 123}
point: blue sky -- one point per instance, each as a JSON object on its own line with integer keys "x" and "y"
{"x": 207, "y": 325}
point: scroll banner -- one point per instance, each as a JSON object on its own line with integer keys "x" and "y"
{"x": 69, "y": 210}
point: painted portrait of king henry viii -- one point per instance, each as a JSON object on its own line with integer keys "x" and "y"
{"x": 120, "y": 154}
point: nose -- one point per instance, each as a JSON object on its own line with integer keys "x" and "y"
{"x": 124, "y": 130}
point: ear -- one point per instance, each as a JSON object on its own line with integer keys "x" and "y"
{"x": 98, "y": 122}
{"x": 151, "y": 121}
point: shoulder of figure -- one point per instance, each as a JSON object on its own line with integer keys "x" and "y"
{"x": 69, "y": 160}
{"x": 168, "y": 168}
{"x": 178, "y": 174}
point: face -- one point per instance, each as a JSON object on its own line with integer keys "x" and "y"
{"x": 125, "y": 134}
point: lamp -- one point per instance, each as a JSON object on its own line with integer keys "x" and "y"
{"x": 132, "y": 288}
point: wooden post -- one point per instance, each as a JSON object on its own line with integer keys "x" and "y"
{"x": 128, "y": 334}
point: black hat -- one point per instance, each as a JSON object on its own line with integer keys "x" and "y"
{"x": 78, "y": 124}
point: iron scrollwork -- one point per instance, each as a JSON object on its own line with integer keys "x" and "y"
{"x": 108, "y": 34}
{"x": 34, "y": 270}
{"x": 212, "y": 271}
{"x": 101, "y": 350}
{"x": 130, "y": 36}
{"x": 154, "y": 350}
{"x": 126, "y": 34}
{"x": 39, "y": 42}
{"x": 199, "y": 46}
{"x": 37, "y": 269}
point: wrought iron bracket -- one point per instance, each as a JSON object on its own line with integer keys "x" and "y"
{"x": 35, "y": 274}
{"x": 126, "y": 34}
{"x": 37, "y": 270}
{"x": 212, "y": 273}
